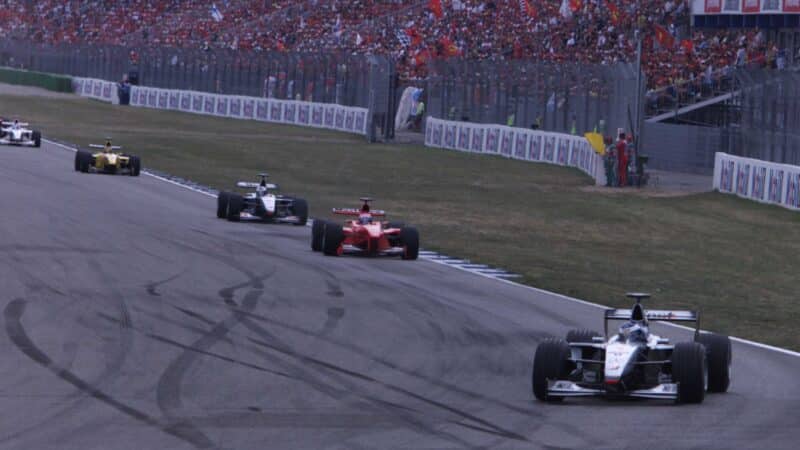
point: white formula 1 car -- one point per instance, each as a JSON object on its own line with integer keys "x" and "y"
{"x": 265, "y": 204}
{"x": 633, "y": 362}
{"x": 17, "y": 133}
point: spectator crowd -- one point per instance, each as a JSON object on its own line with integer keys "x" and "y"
{"x": 413, "y": 32}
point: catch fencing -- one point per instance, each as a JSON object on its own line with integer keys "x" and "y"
{"x": 526, "y": 93}
{"x": 364, "y": 81}
{"x": 761, "y": 181}
{"x": 517, "y": 143}
{"x": 769, "y": 128}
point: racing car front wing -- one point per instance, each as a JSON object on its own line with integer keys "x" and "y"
{"x": 563, "y": 388}
{"x": 21, "y": 143}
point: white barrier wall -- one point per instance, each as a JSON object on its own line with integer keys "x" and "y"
{"x": 102, "y": 90}
{"x": 318, "y": 115}
{"x": 753, "y": 179}
{"x": 517, "y": 143}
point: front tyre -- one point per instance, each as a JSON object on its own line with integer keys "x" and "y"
{"x": 222, "y": 205}
{"x": 317, "y": 232}
{"x": 689, "y": 371}
{"x": 551, "y": 362}
{"x": 409, "y": 237}
{"x": 235, "y": 206}
{"x": 37, "y": 138}
{"x": 135, "y": 166}
{"x": 719, "y": 356}
{"x": 332, "y": 238}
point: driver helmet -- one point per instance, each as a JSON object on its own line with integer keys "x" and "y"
{"x": 365, "y": 219}
{"x": 16, "y": 124}
{"x": 107, "y": 147}
{"x": 634, "y": 331}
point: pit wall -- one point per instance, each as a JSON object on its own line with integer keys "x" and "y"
{"x": 757, "y": 180}
{"x": 517, "y": 143}
{"x": 308, "y": 114}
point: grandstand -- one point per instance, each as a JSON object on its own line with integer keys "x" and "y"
{"x": 416, "y": 32}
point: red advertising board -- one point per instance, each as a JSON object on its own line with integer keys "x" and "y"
{"x": 751, "y": 6}
{"x": 791, "y": 6}
{"x": 715, "y": 6}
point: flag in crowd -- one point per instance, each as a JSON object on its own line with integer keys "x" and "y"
{"x": 403, "y": 37}
{"x": 525, "y": 6}
{"x": 664, "y": 38}
{"x": 215, "y": 13}
{"x": 436, "y": 8}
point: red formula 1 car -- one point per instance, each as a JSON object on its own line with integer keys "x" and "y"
{"x": 364, "y": 235}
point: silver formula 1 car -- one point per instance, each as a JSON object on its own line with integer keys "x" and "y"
{"x": 17, "y": 133}
{"x": 265, "y": 204}
{"x": 633, "y": 362}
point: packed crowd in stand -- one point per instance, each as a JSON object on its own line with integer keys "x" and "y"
{"x": 413, "y": 32}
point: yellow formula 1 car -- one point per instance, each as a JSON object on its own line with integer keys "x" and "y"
{"x": 107, "y": 160}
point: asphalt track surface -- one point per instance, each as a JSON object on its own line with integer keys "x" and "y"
{"x": 134, "y": 319}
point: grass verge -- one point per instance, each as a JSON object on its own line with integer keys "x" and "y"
{"x": 731, "y": 258}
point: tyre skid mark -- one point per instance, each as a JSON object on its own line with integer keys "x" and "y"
{"x": 16, "y": 332}
{"x": 487, "y": 426}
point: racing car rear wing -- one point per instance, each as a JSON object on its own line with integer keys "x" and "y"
{"x": 113, "y": 147}
{"x": 8, "y": 124}
{"x": 358, "y": 212}
{"x": 250, "y": 184}
{"x": 656, "y": 315}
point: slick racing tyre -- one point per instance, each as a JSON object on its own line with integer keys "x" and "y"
{"x": 36, "y": 136}
{"x": 689, "y": 371}
{"x": 82, "y": 161}
{"x": 718, "y": 357}
{"x": 332, "y": 237}
{"x": 135, "y": 166}
{"x": 222, "y": 205}
{"x": 317, "y": 231}
{"x": 300, "y": 209}
{"x": 235, "y": 205}
{"x": 551, "y": 362}
{"x": 581, "y": 336}
{"x": 409, "y": 237}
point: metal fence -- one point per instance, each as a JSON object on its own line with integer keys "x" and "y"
{"x": 769, "y": 128}
{"x": 555, "y": 97}
{"x": 321, "y": 77}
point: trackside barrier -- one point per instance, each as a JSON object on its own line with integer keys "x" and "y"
{"x": 754, "y": 179}
{"x": 517, "y": 143}
{"x": 318, "y": 115}
{"x": 105, "y": 91}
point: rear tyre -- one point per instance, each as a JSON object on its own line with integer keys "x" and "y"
{"x": 332, "y": 237}
{"x": 222, "y": 205}
{"x": 136, "y": 166}
{"x": 317, "y": 231}
{"x": 235, "y": 205}
{"x": 689, "y": 371}
{"x": 581, "y": 336}
{"x": 551, "y": 362}
{"x": 409, "y": 237}
{"x": 718, "y": 357}
{"x": 37, "y": 138}
{"x": 300, "y": 209}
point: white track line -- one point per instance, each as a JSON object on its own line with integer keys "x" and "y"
{"x": 433, "y": 259}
